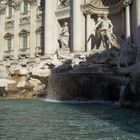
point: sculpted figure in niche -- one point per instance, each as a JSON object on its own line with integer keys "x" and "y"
{"x": 64, "y": 37}
{"x": 104, "y": 28}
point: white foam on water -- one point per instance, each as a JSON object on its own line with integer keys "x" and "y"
{"x": 79, "y": 102}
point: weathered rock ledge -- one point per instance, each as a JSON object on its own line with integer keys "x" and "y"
{"x": 78, "y": 77}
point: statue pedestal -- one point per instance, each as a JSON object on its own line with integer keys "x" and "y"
{"x": 64, "y": 54}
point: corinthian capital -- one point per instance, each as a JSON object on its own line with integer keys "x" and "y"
{"x": 127, "y": 2}
{"x": 2, "y": 9}
{"x": 16, "y": 4}
{"x": 32, "y": 2}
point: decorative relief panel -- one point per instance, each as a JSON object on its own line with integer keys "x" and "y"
{"x": 24, "y": 18}
{"x": 9, "y": 21}
{"x": 63, "y": 3}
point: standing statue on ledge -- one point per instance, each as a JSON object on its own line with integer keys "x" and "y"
{"x": 64, "y": 37}
{"x": 105, "y": 29}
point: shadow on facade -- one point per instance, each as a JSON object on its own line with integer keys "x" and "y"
{"x": 97, "y": 77}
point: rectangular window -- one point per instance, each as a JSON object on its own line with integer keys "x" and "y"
{"x": 25, "y": 41}
{"x": 25, "y": 6}
{"x": 10, "y": 8}
{"x": 38, "y": 40}
{"x": 9, "y": 44}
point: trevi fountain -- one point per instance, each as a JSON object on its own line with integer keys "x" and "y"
{"x": 70, "y": 70}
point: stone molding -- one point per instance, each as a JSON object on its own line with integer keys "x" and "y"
{"x": 24, "y": 18}
{"x": 63, "y": 13}
{"x": 23, "y": 32}
{"x": 39, "y": 30}
{"x": 8, "y": 35}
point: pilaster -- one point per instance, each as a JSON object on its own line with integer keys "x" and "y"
{"x": 2, "y": 33}
{"x": 88, "y": 32}
{"x": 16, "y": 7}
{"x": 137, "y": 27}
{"x": 33, "y": 10}
{"x": 50, "y": 27}
{"x": 76, "y": 25}
{"x": 137, "y": 23}
{"x": 126, "y": 4}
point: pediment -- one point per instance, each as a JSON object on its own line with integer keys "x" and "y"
{"x": 8, "y": 35}
{"x": 39, "y": 30}
{"x": 23, "y": 32}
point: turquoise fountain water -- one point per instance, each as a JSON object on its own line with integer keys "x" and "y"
{"x": 40, "y": 120}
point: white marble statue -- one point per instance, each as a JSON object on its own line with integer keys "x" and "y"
{"x": 64, "y": 37}
{"x": 104, "y": 27}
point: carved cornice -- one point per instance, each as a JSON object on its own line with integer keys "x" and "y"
{"x": 39, "y": 30}
{"x": 32, "y": 2}
{"x": 16, "y": 4}
{"x": 2, "y": 9}
{"x": 8, "y": 35}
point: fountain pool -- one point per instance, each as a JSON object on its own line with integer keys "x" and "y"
{"x": 41, "y": 120}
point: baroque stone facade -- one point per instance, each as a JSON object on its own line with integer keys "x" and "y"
{"x": 34, "y": 28}
{"x": 21, "y": 30}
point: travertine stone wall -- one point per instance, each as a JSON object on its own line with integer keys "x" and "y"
{"x": 81, "y": 16}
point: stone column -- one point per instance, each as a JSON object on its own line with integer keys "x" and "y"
{"x": 137, "y": 27}
{"x": 2, "y": 33}
{"x": 50, "y": 27}
{"x": 75, "y": 27}
{"x": 88, "y": 32}
{"x": 127, "y": 19}
{"x": 137, "y": 23}
{"x": 32, "y": 44}
{"x": 16, "y": 6}
{"x": 123, "y": 22}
